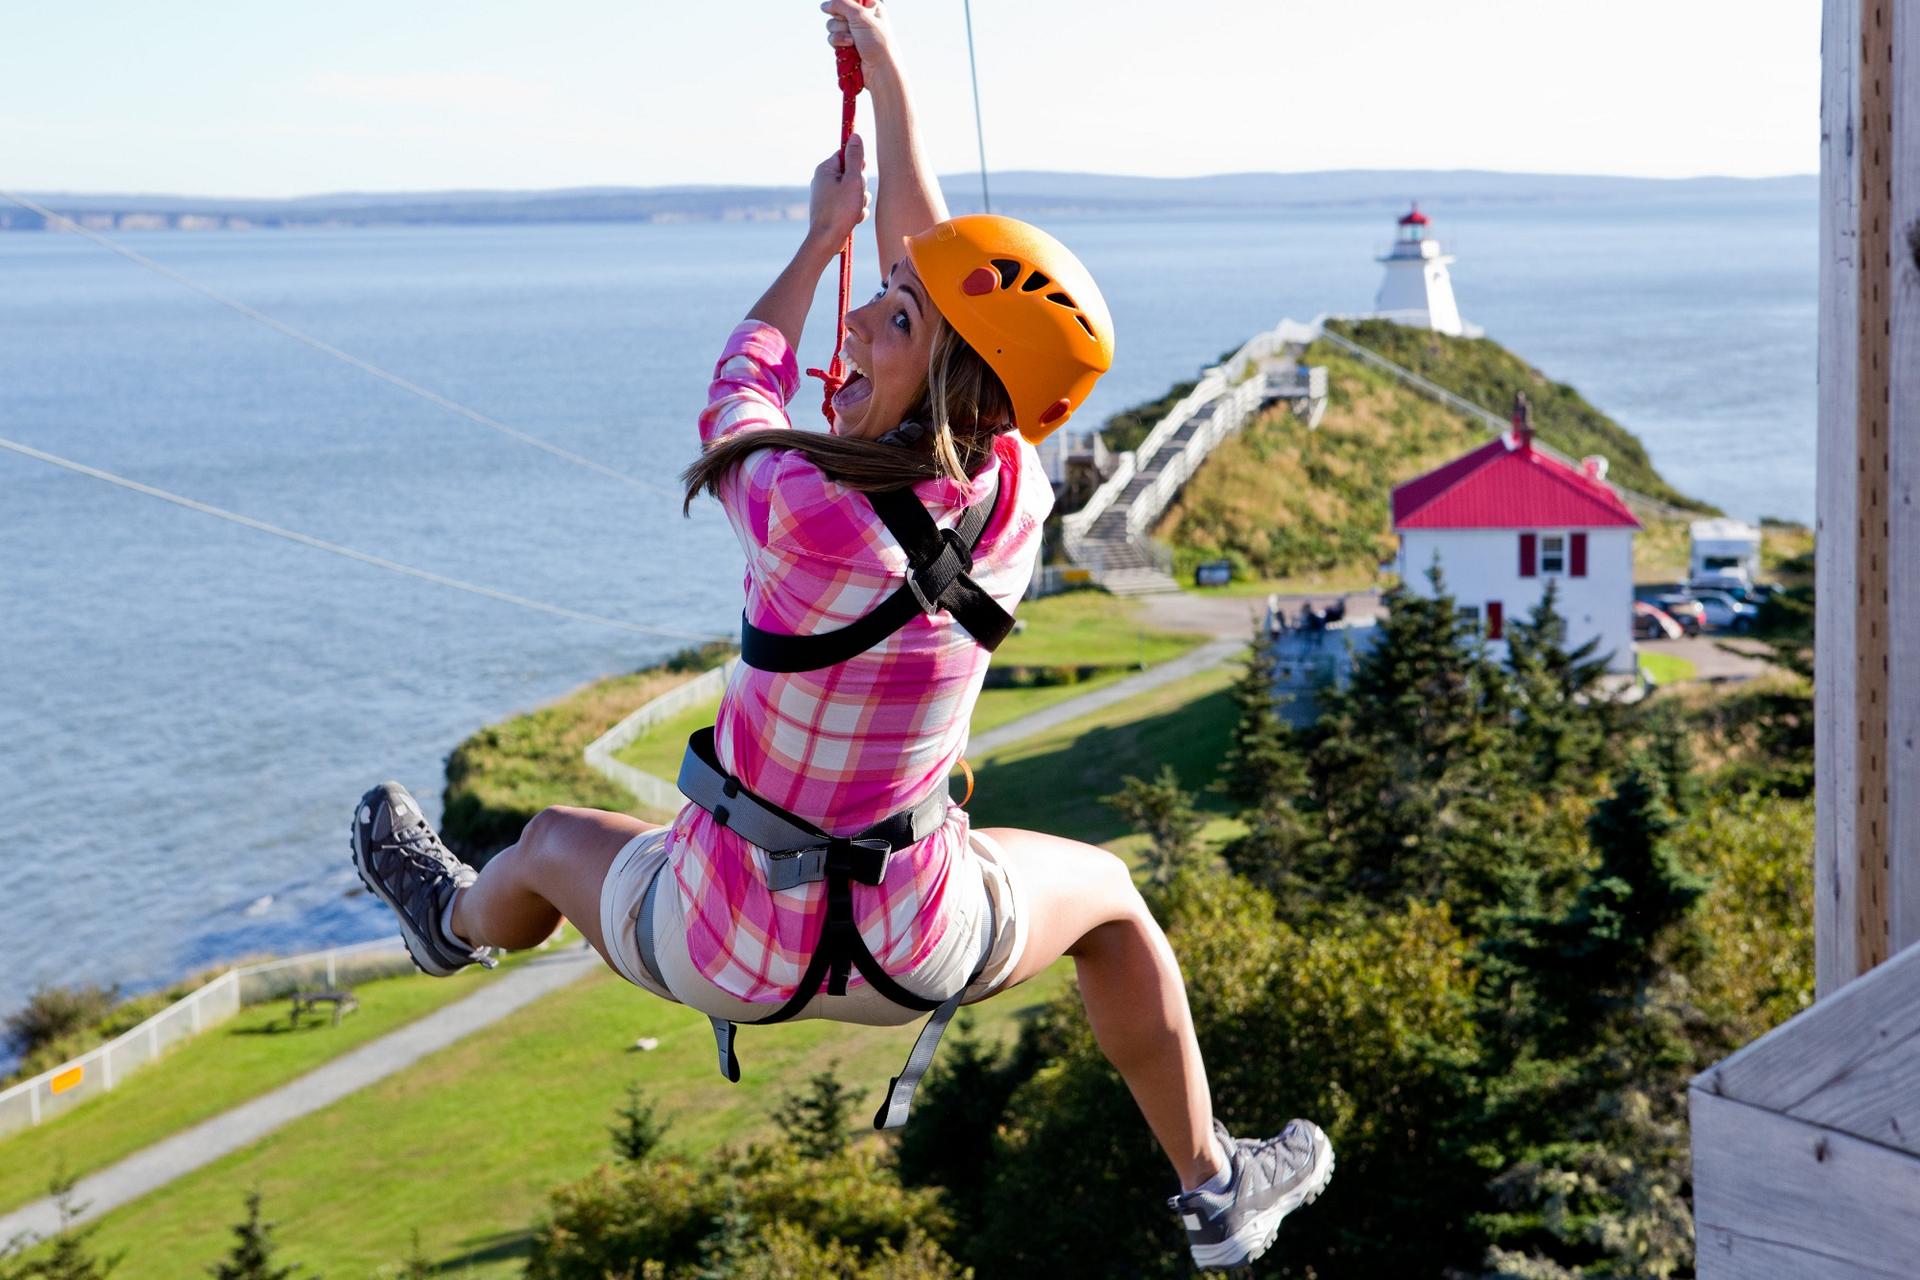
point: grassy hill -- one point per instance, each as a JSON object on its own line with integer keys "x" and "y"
{"x": 1280, "y": 501}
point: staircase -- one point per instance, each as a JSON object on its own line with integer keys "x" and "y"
{"x": 1123, "y": 565}
{"x": 1108, "y": 535}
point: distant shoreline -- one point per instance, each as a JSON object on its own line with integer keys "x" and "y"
{"x": 1027, "y": 194}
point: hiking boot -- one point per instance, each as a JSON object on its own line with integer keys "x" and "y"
{"x": 1269, "y": 1180}
{"x": 401, "y": 859}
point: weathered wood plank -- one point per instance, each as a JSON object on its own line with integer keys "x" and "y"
{"x": 1877, "y": 1099}
{"x": 1723, "y": 1255}
{"x": 1837, "y": 1039}
{"x": 1835, "y": 745}
{"x": 1903, "y": 368}
{"x": 1769, "y": 1177}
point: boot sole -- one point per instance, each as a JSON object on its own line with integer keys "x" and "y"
{"x": 416, "y": 946}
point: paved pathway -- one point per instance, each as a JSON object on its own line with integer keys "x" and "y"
{"x": 153, "y": 1168}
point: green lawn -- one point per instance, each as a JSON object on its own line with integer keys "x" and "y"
{"x": 1087, "y": 629}
{"x": 1667, "y": 668}
{"x": 467, "y": 1145}
{"x": 250, "y": 1055}
{"x": 1054, "y": 781}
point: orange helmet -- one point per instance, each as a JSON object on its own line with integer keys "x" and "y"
{"x": 1025, "y": 303}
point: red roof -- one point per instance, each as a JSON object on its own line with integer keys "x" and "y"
{"x": 1508, "y": 485}
{"x": 1414, "y": 219}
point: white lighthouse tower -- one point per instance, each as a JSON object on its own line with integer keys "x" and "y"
{"x": 1416, "y": 289}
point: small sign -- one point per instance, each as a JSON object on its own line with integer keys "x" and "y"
{"x": 1213, "y": 573}
{"x": 68, "y": 1079}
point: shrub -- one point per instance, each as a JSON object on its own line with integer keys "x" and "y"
{"x": 52, "y": 1013}
{"x": 675, "y": 1218}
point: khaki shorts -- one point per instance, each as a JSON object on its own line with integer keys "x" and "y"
{"x": 959, "y": 954}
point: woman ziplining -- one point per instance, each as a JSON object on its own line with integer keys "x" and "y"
{"x": 819, "y": 869}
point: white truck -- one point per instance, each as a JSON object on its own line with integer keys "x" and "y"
{"x": 1724, "y": 552}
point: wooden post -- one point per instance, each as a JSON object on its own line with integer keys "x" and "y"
{"x": 1867, "y": 663}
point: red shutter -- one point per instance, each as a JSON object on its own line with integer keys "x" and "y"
{"x": 1494, "y": 619}
{"x": 1577, "y": 565}
{"x": 1529, "y": 543}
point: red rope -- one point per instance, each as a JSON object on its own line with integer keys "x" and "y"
{"x": 846, "y": 60}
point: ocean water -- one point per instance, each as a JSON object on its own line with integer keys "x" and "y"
{"x": 188, "y": 709}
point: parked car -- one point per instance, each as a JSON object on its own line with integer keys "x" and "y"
{"x": 1685, "y": 610}
{"x": 1724, "y": 613}
{"x": 1736, "y": 588}
{"x": 1650, "y": 622}
{"x": 1730, "y": 582}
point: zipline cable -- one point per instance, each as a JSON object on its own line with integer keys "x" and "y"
{"x": 979, "y": 130}
{"x": 327, "y": 348}
{"x": 334, "y": 548}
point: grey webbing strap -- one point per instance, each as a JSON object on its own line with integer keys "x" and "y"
{"x": 900, "y": 1089}
{"x": 643, "y": 930}
{"x": 796, "y": 854}
{"x": 723, "y": 1038}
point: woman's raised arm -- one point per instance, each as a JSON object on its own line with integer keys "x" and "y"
{"x": 909, "y": 199}
{"x": 838, "y": 203}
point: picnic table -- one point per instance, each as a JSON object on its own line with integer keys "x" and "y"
{"x": 304, "y": 1002}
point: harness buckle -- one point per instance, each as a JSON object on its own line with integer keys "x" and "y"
{"x": 863, "y": 860}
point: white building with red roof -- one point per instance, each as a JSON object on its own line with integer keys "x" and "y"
{"x": 1507, "y": 519}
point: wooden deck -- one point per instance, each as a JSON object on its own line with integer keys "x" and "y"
{"x": 1806, "y": 1143}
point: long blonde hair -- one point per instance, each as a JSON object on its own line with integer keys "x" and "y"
{"x": 962, "y": 408}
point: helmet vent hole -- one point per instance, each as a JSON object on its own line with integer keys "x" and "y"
{"x": 1009, "y": 271}
{"x": 1061, "y": 298}
{"x": 1034, "y": 281}
{"x": 1084, "y": 324}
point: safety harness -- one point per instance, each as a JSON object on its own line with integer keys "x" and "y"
{"x": 799, "y": 852}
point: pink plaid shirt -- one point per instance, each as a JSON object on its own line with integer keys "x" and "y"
{"x": 849, "y": 744}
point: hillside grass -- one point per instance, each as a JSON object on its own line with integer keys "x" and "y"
{"x": 501, "y": 776}
{"x": 467, "y": 1145}
{"x": 254, "y": 1053}
{"x": 1482, "y": 371}
{"x": 1282, "y": 502}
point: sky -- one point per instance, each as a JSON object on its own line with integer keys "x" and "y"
{"x": 235, "y": 97}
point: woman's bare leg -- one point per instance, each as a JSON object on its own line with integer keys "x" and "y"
{"x": 1083, "y": 904}
{"x": 557, "y": 868}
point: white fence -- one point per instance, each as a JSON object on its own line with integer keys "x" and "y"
{"x": 54, "y": 1092}
{"x": 658, "y": 794}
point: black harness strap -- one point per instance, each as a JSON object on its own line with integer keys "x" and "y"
{"x": 939, "y": 565}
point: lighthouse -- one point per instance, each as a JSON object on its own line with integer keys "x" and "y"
{"x": 1416, "y": 289}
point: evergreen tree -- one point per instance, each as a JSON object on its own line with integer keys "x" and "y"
{"x": 70, "y": 1254}
{"x": 253, "y": 1249}
{"x": 1565, "y": 723}
{"x": 816, "y": 1121}
{"x": 1595, "y": 959}
{"x": 1265, "y": 773}
{"x": 1407, "y": 767}
{"x": 639, "y": 1130}
{"x": 1262, "y": 765}
{"x": 1163, "y": 811}
{"x": 416, "y": 1265}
